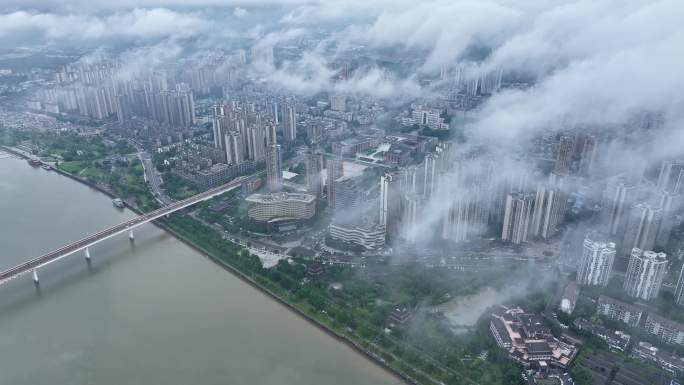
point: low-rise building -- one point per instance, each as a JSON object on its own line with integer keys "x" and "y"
{"x": 281, "y": 206}
{"x": 528, "y": 340}
{"x": 620, "y": 311}
{"x": 569, "y": 299}
{"x": 368, "y": 236}
{"x": 314, "y": 270}
{"x": 399, "y": 154}
{"x": 500, "y": 333}
{"x": 668, "y": 331}
{"x": 398, "y": 316}
{"x": 647, "y": 352}
{"x": 615, "y": 339}
{"x": 354, "y": 145}
{"x": 425, "y": 116}
{"x": 214, "y": 175}
{"x": 250, "y": 185}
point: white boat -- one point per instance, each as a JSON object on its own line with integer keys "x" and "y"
{"x": 118, "y": 203}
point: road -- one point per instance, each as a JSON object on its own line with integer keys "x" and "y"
{"x": 152, "y": 176}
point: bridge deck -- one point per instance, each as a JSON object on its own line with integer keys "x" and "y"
{"x": 92, "y": 239}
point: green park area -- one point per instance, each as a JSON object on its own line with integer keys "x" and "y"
{"x": 355, "y": 304}
{"x": 109, "y": 163}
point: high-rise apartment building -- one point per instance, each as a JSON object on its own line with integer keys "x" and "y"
{"x": 338, "y": 103}
{"x": 290, "y": 124}
{"x": 274, "y": 171}
{"x": 313, "y": 164}
{"x": 549, "y": 208}
{"x": 257, "y": 142}
{"x": 642, "y": 228}
{"x": 262, "y": 55}
{"x": 645, "y": 274}
{"x": 218, "y": 124}
{"x": 466, "y": 215}
{"x": 679, "y": 291}
{"x": 385, "y": 184}
{"x": 668, "y": 203}
{"x": 390, "y": 202}
{"x": 276, "y": 112}
{"x": 410, "y": 229}
{"x": 172, "y": 108}
{"x": 239, "y": 133}
{"x": 671, "y": 176}
{"x": 334, "y": 171}
{"x": 272, "y": 135}
{"x": 596, "y": 262}
{"x": 517, "y": 218}
{"x": 430, "y": 174}
{"x": 617, "y": 201}
{"x": 566, "y": 147}
{"x": 587, "y": 154}
{"x": 233, "y": 147}
{"x": 347, "y": 199}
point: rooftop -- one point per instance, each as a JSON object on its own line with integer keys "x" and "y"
{"x": 280, "y": 197}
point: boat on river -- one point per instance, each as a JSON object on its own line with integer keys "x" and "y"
{"x": 118, "y": 203}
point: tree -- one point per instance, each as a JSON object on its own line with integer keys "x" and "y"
{"x": 581, "y": 376}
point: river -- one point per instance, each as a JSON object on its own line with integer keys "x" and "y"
{"x": 149, "y": 312}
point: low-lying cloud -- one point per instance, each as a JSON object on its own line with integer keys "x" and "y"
{"x": 138, "y": 23}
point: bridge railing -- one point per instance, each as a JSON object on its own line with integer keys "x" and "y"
{"x": 93, "y": 238}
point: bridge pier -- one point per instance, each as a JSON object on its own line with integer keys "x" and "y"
{"x": 32, "y": 265}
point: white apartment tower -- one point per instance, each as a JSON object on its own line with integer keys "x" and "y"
{"x": 596, "y": 262}
{"x": 385, "y": 182}
{"x": 645, "y": 274}
{"x": 679, "y": 292}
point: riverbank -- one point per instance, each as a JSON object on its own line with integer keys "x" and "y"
{"x": 95, "y": 186}
{"x": 245, "y": 278}
{"x": 86, "y": 182}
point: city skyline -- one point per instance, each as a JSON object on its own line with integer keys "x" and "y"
{"x": 464, "y": 192}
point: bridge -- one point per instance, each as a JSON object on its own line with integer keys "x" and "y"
{"x": 34, "y": 264}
